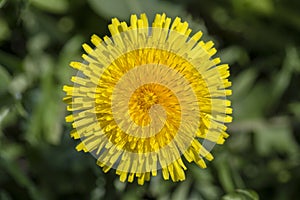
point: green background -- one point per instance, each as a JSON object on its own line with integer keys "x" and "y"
{"x": 260, "y": 39}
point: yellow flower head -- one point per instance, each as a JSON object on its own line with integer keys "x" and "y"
{"x": 148, "y": 96}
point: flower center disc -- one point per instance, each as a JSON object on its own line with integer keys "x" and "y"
{"x": 151, "y": 102}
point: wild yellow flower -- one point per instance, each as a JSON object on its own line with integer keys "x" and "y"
{"x": 148, "y": 96}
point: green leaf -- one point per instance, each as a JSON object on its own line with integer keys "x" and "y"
{"x": 243, "y": 83}
{"x": 54, "y": 6}
{"x": 11, "y": 151}
{"x": 204, "y": 181}
{"x": 4, "y": 30}
{"x": 250, "y": 104}
{"x": 5, "y": 79}
{"x": 10, "y": 61}
{"x": 224, "y": 173}
{"x": 233, "y": 54}
{"x": 2, "y": 3}
{"x": 233, "y": 196}
{"x": 264, "y": 7}
{"x": 249, "y": 193}
{"x": 295, "y": 109}
{"x": 8, "y": 115}
{"x": 159, "y": 187}
{"x": 182, "y": 191}
{"x": 45, "y": 122}
{"x": 3, "y": 113}
{"x": 282, "y": 79}
{"x": 123, "y": 8}
{"x": 52, "y": 116}
{"x": 38, "y": 43}
{"x": 275, "y": 136}
{"x": 241, "y": 194}
{"x": 18, "y": 85}
{"x": 71, "y": 50}
{"x": 292, "y": 59}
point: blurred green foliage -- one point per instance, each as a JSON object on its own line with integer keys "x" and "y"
{"x": 258, "y": 38}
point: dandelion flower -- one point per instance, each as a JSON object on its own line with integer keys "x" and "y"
{"x": 147, "y": 97}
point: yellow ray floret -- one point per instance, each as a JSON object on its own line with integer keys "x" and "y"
{"x": 146, "y": 97}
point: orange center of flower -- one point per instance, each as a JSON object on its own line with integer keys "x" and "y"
{"x": 142, "y": 104}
